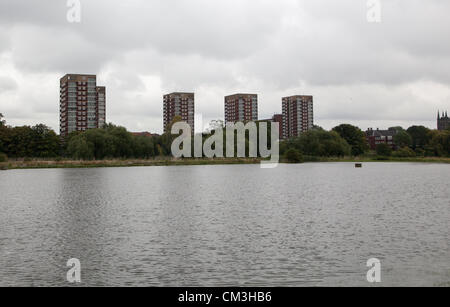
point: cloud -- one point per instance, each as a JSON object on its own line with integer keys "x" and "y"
{"x": 7, "y": 84}
{"x": 371, "y": 74}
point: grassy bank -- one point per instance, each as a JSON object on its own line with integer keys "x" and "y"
{"x": 37, "y": 164}
{"x": 377, "y": 159}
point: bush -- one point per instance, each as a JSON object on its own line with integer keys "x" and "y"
{"x": 382, "y": 158}
{"x": 384, "y": 150}
{"x": 80, "y": 149}
{"x": 320, "y": 143}
{"x": 402, "y": 139}
{"x": 420, "y": 152}
{"x": 354, "y": 137}
{"x": 3, "y": 157}
{"x": 405, "y": 152}
{"x": 109, "y": 142}
{"x": 294, "y": 156}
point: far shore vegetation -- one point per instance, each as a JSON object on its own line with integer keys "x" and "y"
{"x": 67, "y": 163}
{"x": 113, "y": 146}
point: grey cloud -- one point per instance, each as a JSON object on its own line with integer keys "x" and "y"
{"x": 141, "y": 49}
{"x": 39, "y": 12}
{"x": 40, "y": 49}
{"x": 328, "y": 43}
{"x": 5, "y": 41}
{"x": 7, "y": 84}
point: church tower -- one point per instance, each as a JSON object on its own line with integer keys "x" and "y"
{"x": 443, "y": 122}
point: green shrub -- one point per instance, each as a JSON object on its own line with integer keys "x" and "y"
{"x": 420, "y": 152}
{"x": 384, "y": 150}
{"x": 319, "y": 143}
{"x": 311, "y": 159}
{"x": 293, "y": 156}
{"x": 3, "y": 157}
{"x": 354, "y": 137}
{"x": 382, "y": 158}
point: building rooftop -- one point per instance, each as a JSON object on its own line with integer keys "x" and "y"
{"x": 241, "y": 94}
{"x": 145, "y": 133}
{"x": 444, "y": 115}
{"x": 296, "y": 96}
{"x": 180, "y": 93}
{"x": 79, "y": 75}
{"x": 378, "y": 132}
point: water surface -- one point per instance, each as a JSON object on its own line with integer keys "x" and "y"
{"x": 235, "y": 225}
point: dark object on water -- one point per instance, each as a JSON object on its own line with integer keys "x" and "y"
{"x": 358, "y": 165}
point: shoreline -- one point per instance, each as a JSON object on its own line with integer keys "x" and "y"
{"x": 51, "y": 164}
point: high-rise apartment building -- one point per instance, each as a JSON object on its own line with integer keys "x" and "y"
{"x": 241, "y": 108}
{"x": 443, "y": 123}
{"x": 101, "y": 107}
{"x": 82, "y": 103}
{"x": 298, "y": 115}
{"x": 181, "y": 105}
{"x": 277, "y": 118}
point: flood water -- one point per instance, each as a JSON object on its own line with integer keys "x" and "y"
{"x": 296, "y": 225}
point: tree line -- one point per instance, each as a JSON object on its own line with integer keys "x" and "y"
{"x": 18, "y": 142}
{"x": 116, "y": 142}
{"x": 348, "y": 140}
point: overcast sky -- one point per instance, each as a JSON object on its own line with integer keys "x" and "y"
{"x": 396, "y": 72}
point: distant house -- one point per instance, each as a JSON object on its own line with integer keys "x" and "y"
{"x": 147, "y": 134}
{"x": 376, "y": 137}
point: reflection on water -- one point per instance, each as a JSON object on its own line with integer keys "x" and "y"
{"x": 296, "y": 225}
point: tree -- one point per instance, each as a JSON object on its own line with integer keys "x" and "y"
{"x": 419, "y": 135}
{"x": 320, "y": 143}
{"x": 80, "y": 149}
{"x": 4, "y": 134}
{"x": 316, "y": 127}
{"x": 102, "y": 143}
{"x": 402, "y": 139}
{"x": 404, "y": 152}
{"x": 294, "y": 156}
{"x": 384, "y": 150}
{"x": 45, "y": 142}
{"x": 120, "y": 141}
{"x": 109, "y": 142}
{"x": 215, "y": 124}
{"x": 354, "y": 137}
{"x": 440, "y": 143}
{"x": 143, "y": 147}
{"x": 33, "y": 142}
{"x": 20, "y": 142}
{"x": 397, "y": 128}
